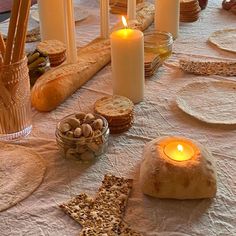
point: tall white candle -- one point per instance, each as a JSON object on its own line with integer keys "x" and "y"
{"x": 104, "y": 18}
{"x": 131, "y": 9}
{"x": 51, "y": 16}
{"x": 167, "y": 16}
{"x": 71, "y": 49}
{"x": 127, "y": 57}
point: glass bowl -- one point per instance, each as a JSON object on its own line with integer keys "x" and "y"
{"x": 83, "y": 149}
{"x": 159, "y": 43}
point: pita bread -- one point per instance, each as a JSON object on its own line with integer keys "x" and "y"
{"x": 212, "y": 102}
{"x": 21, "y": 172}
{"x": 224, "y": 39}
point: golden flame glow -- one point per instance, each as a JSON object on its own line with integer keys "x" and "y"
{"x": 180, "y": 148}
{"x": 124, "y": 22}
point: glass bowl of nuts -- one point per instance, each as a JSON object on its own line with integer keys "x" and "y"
{"x": 82, "y": 136}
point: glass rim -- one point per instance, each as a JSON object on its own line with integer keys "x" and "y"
{"x": 58, "y": 133}
{"x": 15, "y": 63}
{"x": 169, "y": 36}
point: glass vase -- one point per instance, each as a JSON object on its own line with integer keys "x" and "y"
{"x": 15, "y": 104}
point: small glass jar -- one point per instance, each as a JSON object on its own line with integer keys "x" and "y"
{"x": 83, "y": 149}
{"x": 15, "y": 104}
{"x": 159, "y": 43}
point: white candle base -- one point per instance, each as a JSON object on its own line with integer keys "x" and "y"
{"x": 163, "y": 177}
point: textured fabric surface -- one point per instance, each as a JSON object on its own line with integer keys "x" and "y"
{"x": 157, "y": 115}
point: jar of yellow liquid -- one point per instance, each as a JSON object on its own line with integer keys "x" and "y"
{"x": 159, "y": 43}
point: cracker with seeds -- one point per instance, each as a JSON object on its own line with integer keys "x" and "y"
{"x": 103, "y": 215}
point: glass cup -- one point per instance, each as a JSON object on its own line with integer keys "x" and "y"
{"x": 159, "y": 43}
{"x": 15, "y": 104}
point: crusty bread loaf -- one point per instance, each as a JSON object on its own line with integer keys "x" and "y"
{"x": 52, "y": 88}
{"x": 55, "y": 86}
{"x": 162, "y": 177}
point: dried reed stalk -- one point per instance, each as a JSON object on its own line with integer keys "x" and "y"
{"x": 12, "y": 31}
{"x": 2, "y": 49}
{"x": 19, "y": 46}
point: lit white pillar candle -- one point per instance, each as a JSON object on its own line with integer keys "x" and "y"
{"x": 131, "y": 10}
{"x": 51, "y": 17}
{"x": 127, "y": 57}
{"x": 104, "y": 18}
{"x": 167, "y": 16}
{"x": 69, "y": 24}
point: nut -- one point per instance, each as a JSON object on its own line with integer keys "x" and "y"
{"x": 97, "y": 124}
{"x": 77, "y": 132}
{"x": 73, "y": 122}
{"x": 70, "y": 134}
{"x": 89, "y": 118}
{"x": 81, "y": 149}
{"x": 80, "y": 115}
{"x": 87, "y": 156}
{"x": 65, "y": 127}
{"x": 87, "y": 130}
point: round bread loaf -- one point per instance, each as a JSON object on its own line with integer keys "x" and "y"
{"x": 163, "y": 177}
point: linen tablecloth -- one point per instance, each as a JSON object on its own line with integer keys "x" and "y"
{"x": 157, "y": 115}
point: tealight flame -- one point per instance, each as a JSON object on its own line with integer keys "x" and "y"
{"x": 124, "y": 22}
{"x": 180, "y": 148}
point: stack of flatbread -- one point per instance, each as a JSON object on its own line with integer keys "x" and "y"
{"x": 120, "y": 6}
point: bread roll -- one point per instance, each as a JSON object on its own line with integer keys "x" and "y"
{"x": 163, "y": 177}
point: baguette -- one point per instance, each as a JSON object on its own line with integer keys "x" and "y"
{"x": 52, "y": 88}
{"x": 55, "y": 86}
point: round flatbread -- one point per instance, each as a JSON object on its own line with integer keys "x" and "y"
{"x": 224, "y": 39}
{"x": 212, "y": 102}
{"x": 21, "y": 172}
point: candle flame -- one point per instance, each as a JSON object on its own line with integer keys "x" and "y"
{"x": 124, "y": 22}
{"x": 180, "y": 148}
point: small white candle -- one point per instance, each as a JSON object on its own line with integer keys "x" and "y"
{"x": 69, "y": 24}
{"x": 127, "y": 57}
{"x": 104, "y": 18}
{"x": 51, "y": 17}
{"x": 167, "y": 16}
{"x": 131, "y": 10}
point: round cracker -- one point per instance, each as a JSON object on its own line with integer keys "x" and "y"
{"x": 114, "y": 106}
{"x": 224, "y": 39}
{"x": 51, "y": 47}
{"x": 21, "y": 172}
{"x": 121, "y": 129}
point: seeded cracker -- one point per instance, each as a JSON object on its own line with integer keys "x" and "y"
{"x": 78, "y": 208}
{"x": 104, "y": 214}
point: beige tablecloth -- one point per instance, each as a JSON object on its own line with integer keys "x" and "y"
{"x": 158, "y": 114}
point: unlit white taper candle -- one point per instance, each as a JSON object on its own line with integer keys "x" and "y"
{"x": 51, "y": 19}
{"x": 70, "y": 32}
{"x": 104, "y": 18}
{"x": 131, "y": 10}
